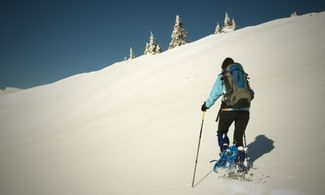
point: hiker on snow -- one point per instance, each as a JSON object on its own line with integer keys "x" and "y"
{"x": 233, "y": 85}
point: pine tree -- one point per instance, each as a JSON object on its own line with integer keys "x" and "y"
{"x": 158, "y": 49}
{"x": 146, "y": 50}
{"x": 229, "y": 24}
{"x": 131, "y": 56}
{"x": 152, "y": 47}
{"x": 178, "y": 35}
{"x": 227, "y": 20}
{"x": 234, "y": 26}
{"x": 218, "y": 29}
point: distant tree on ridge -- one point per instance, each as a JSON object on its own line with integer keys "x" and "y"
{"x": 152, "y": 47}
{"x": 179, "y": 35}
{"x": 229, "y": 24}
{"x": 131, "y": 56}
{"x": 218, "y": 29}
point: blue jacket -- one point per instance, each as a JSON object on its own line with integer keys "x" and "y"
{"x": 217, "y": 91}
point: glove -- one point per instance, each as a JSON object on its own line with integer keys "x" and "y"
{"x": 204, "y": 107}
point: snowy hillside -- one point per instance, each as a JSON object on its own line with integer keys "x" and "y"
{"x": 133, "y": 127}
{"x": 8, "y": 90}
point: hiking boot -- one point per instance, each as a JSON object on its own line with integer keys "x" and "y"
{"x": 240, "y": 159}
{"x": 223, "y": 149}
{"x": 223, "y": 141}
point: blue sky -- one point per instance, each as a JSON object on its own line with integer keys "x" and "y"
{"x": 45, "y": 41}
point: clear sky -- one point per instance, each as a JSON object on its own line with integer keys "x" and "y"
{"x": 44, "y": 41}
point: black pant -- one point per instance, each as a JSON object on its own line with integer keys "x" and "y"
{"x": 241, "y": 119}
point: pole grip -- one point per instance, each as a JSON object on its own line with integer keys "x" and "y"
{"x": 203, "y": 114}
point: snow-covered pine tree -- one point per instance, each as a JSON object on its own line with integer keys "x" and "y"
{"x": 218, "y": 29}
{"x": 179, "y": 34}
{"x": 152, "y": 47}
{"x": 234, "y": 26}
{"x": 229, "y": 24}
{"x": 294, "y": 14}
{"x": 131, "y": 56}
{"x": 158, "y": 49}
{"x": 227, "y": 20}
{"x": 146, "y": 50}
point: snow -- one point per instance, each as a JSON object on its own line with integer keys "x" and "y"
{"x": 8, "y": 90}
{"x": 133, "y": 127}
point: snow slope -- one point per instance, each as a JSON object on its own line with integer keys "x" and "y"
{"x": 9, "y": 90}
{"x": 133, "y": 127}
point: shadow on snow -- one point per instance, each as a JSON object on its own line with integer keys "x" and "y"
{"x": 260, "y": 146}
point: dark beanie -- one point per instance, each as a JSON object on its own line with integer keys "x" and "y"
{"x": 227, "y": 62}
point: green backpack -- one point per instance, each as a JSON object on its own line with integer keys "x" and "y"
{"x": 238, "y": 92}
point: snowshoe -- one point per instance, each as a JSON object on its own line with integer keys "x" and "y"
{"x": 227, "y": 159}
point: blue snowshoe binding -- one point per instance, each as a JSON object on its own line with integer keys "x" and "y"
{"x": 227, "y": 159}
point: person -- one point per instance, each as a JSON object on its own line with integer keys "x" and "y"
{"x": 227, "y": 115}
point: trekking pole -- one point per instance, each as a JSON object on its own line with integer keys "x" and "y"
{"x": 245, "y": 146}
{"x": 245, "y": 140}
{"x": 198, "y": 149}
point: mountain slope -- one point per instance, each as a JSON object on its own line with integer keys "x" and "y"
{"x": 8, "y": 90}
{"x": 133, "y": 127}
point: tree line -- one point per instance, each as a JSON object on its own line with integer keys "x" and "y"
{"x": 179, "y": 36}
